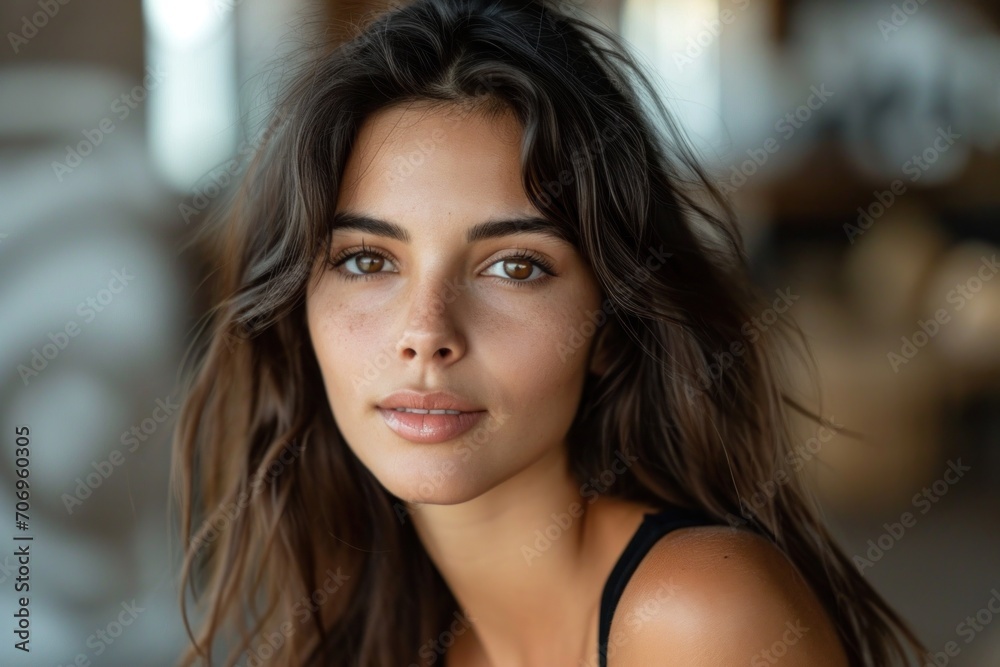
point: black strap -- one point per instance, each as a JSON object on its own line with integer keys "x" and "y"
{"x": 653, "y": 527}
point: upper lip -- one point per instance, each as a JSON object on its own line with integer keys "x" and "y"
{"x": 435, "y": 400}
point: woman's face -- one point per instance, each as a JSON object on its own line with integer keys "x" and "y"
{"x": 499, "y": 316}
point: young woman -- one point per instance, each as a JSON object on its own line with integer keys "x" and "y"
{"x": 488, "y": 383}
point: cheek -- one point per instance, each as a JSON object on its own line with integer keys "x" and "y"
{"x": 538, "y": 359}
{"x": 351, "y": 345}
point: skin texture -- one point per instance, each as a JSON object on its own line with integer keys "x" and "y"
{"x": 715, "y": 595}
{"x": 437, "y": 315}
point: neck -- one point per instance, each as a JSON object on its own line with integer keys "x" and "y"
{"x": 516, "y": 561}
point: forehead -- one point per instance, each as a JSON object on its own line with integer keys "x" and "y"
{"x": 437, "y": 160}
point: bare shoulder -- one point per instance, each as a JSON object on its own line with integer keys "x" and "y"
{"x": 716, "y": 595}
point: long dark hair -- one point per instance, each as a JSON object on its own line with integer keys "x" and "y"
{"x": 300, "y": 550}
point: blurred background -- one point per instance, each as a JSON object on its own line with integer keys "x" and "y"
{"x": 859, "y": 140}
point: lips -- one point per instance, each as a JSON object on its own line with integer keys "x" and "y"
{"x": 429, "y": 417}
{"x": 435, "y": 400}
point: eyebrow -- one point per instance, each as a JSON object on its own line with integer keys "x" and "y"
{"x": 494, "y": 228}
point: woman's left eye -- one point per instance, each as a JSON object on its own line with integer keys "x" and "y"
{"x": 516, "y": 269}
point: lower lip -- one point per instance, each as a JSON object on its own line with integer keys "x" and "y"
{"x": 428, "y": 428}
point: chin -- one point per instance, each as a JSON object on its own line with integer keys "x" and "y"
{"x": 445, "y": 473}
{"x": 421, "y": 477}
{"x": 453, "y": 494}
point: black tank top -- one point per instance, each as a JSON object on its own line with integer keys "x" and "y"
{"x": 654, "y": 526}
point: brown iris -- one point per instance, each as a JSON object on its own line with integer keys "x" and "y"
{"x": 369, "y": 263}
{"x": 517, "y": 269}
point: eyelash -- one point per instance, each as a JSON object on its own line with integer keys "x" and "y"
{"x": 533, "y": 257}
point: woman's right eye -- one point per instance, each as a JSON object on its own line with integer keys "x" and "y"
{"x": 362, "y": 264}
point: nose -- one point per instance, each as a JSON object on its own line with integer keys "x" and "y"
{"x": 431, "y": 334}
